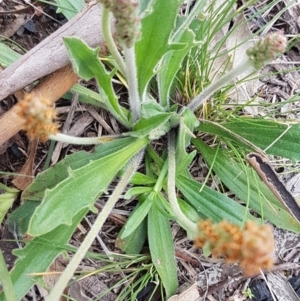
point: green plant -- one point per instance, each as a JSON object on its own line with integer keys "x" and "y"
{"x": 154, "y": 44}
{"x": 248, "y": 293}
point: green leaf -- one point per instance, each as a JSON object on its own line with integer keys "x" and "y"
{"x": 86, "y": 96}
{"x": 141, "y": 179}
{"x": 59, "y": 172}
{"x": 185, "y": 162}
{"x": 7, "y": 55}
{"x": 188, "y": 210}
{"x": 79, "y": 190}
{"x": 137, "y": 217}
{"x": 137, "y": 190}
{"x": 6, "y": 201}
{"x": 5, "y": 280}
{"x": 162, "y": 249}
{"x": 133, "y": 243}
{"x": 152, "y": 126}
{"x": 277, "y": 138}
{"x": 19, "y": 219}
{"x": 171, "y": 63}
{"x": 69, "y": 8}
{"x": 248, "y": 187}
{"x": 187, "y": 125}
{"x": 89, "y": 96}
{"x": 87, "y": 65}
{"x": 154, "y": 43}
{"x": 38, "y": 255}
{"x": 144, "y": 5}
{"x": 211, "y": 203}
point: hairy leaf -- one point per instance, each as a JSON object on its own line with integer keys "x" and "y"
{"x": 79, "y": 190}
{"x": 248, "y": 187}
{"x": 276, "y": 138}
{"x": 154, "y": 43}
{"x": 137, "y": 190}
{"x": 133, "y": 243}
{"x": 213, "y": 204}
{"x": 149, "y": 126}
{"x": 59, "y": 172}
{"x": 171, "y": 63}
{"x": 141, "y": 179}
{"x": 87, "y": 65}
{"x": 162, "y": 249}
{"x": 137, "y": 217}
{"x": 38, "y": 255}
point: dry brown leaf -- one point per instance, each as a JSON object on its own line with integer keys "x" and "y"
{"x": 13, "y": 26}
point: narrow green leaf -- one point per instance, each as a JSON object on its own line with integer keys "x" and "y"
{"x": 141, "y": 179}
{"x": 59, "y": 172}
{"x": 79, "y": 190}
{"x": 87, "y": 96}
{"x": 91, "y": 97}
{"x": 154, "y": 43}
{"x": 137, "y": 190}
{"x": 188, "y": 210}
{"x": 38, "y": 255}
{"x": 137, "y": 217}
{"x": 7, "y": 55}
{"x": 5, "y": 280}
{"x": 162, "y": 249}
{"x": 171, "y": 63}
{"x": 133, "y": 243}
{"x": 279, "y": 139}
{"x": 151, "y": 125}
{"x": 213, "y": 204}
{"x": 248, "y": 187}
{"x": 87, "y": 65}
{"x": 6, "y": 201}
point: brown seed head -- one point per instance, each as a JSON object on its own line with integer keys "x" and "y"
{"x": 38, "y": 117}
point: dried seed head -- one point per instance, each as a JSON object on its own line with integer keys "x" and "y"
{"x": 267, "y": 49}
{"x": 38, "y": 117}
{"x": 252, "y": 246}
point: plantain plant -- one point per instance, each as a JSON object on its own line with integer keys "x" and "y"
{"x": 152, "y": 47}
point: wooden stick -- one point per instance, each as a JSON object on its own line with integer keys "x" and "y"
{"x": 51, "y": 54}
{"x": 47, "y": 57}
{"x": 52, "y": 87}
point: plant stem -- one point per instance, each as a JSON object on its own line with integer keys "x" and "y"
{"x": 131, "y": 74}
{"x": 5, "y": 280}
{"x": 82, "y": 140}
{"x": 94, "y": 231}
{"x": 106, "y": 30}
{"x": 188, "y": 225}
{"x": 218, "y": 84}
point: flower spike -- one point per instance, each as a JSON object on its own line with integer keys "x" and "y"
{"x": 38, "y": 117}
{"x": 267, "y": 49}
{"x": 252, "y": 247}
